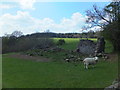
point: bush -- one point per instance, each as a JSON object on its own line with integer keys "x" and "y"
{"x": 61, "y": 42}
{"x": 112, "y": 33}
{"x": 44, "y": 43}
{"x": 24, "y": 43}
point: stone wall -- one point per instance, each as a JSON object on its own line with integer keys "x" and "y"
{"x": 100, "y": 47}
{"x": 90, "y": 47}
{"x": 86, "y": 46}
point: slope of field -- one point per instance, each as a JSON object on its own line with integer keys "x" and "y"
{"x": 21, "y": 73}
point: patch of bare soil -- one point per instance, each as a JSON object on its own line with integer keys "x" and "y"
{"x": 33, "y": 58}
{"x": 113, "y": 57}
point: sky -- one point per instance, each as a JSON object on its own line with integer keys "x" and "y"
{"x": 31, "y": 16}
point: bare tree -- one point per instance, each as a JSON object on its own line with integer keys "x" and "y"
{"x": 108, "y": 19}
{"x": 97, "y": 17}
{"x": 101, "y": 17}
{"x": 17, "y": 33}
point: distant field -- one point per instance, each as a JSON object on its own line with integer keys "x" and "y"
{"x": 71, "y": 44}
{"x": 20, "y": 73}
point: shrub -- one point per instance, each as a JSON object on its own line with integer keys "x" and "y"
{"x": 24, "y": 43}
{"x": 61, "y": 42}
{"x": 44, "y": 43}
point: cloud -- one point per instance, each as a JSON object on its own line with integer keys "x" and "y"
{"x": 27, "y": 4}
{"x": 96, "y": 28}
{"x": 72, "y": 24}
{"x": 23, "y": 4}
{"x": 64, "y": 0}
{"x": 24, "y": 22}
{"x": 21, "y": 21}
{"x": 6, "y": 6}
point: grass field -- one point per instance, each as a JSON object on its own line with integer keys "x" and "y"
{"x": 19, "y": 73}
{"x": 29, "y": 74}
{"x": 71, "y": 44}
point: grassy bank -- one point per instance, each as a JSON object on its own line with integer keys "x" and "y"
{"x": 18, "y": 73}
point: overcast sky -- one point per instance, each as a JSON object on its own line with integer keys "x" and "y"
{"x": 30, "y": 16}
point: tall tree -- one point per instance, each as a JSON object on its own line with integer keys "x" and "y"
{"x": 112, "y": 30}
{"x": 108, "y": 19}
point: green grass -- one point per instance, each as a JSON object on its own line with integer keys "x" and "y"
{"x": 72, "y": 43}
{"x": 108, "y": 47}
{"x": 19, "y": 73}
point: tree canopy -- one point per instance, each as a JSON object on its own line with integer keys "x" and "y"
{"x": 108, "y": 19}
